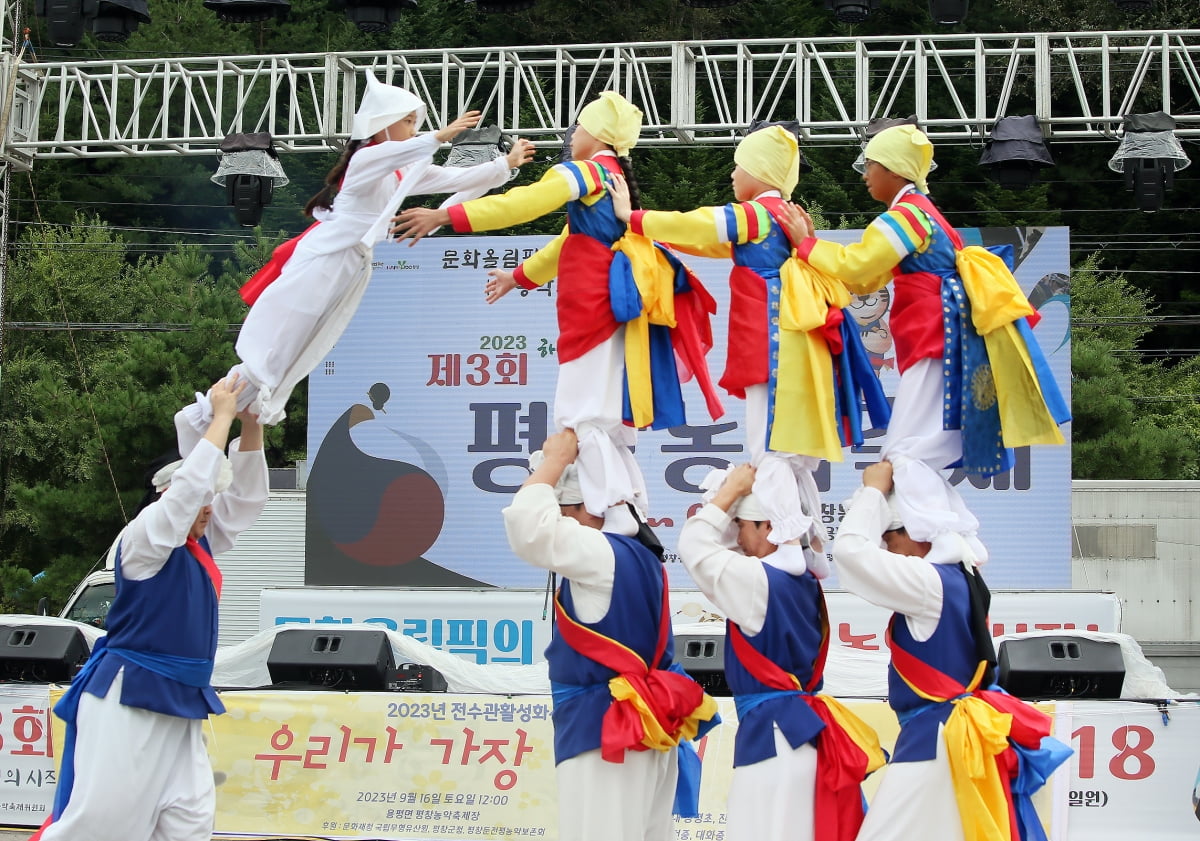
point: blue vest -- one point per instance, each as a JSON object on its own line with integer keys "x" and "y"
{"x": 950, "y": 650}
{"x": 173, "y": 613}
{"x": 791, "y": 639}
{"x": 632, "y": 620}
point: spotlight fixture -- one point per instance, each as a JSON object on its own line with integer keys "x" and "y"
{"x": 248, "y": 11}
{"x": 503, "y": 5}
{"x": 478, "y": 146}
{"x": 64, "y": 20}
{"x": 851, "y": 11}
{"x": 249, "y": 171}
{"x": 948, "y": 12}
{"x": 374, "y": 15}
{"x": 1016, "y": 151}
{"x": 1149, "y": 155}
{"x": 115, "y": 20}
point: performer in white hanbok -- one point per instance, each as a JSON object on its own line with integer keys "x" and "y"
{"x": 134, "y": 765}
{"x": 799, "y": 756}
{"x": 969, "y": 756}
{"x": 302, "y": 300}
{"x": 621, "y": 705}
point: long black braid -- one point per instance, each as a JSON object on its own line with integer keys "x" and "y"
{"x": 334, "y": 179}
{"x": 635, "y": 193}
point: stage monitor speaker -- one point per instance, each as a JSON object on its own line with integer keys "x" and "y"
{"x": 703, "y": 657}
{"x": 351, "y": 660}
{"x": 42, "y": 653}
{"x": 418, "y": 677}
{"x": 1061, "y": 667}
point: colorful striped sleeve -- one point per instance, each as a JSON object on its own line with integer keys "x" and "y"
{"x": 700, "y": 231}
{"x": 745, "y": 222}
{"x": 520, "y": 204}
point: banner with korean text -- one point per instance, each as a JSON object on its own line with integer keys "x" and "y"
{"x": 422, "y": 419}
{"x": 428, "y": 766}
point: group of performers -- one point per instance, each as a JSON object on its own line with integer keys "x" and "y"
{"x": 634, "y": 325}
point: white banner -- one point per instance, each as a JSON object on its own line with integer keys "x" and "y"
{"x": 28, "y": 769}
{"x": 507, "y": 626}
{"x": 422, "y": 419}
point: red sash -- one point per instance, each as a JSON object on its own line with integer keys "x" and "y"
{"x": 842, "y": 764}
{"x": 269, "y": 273}
{"x": 1029, "y": 725}
{"x": 671, "y": 697}
{"x": 206, "y": 560}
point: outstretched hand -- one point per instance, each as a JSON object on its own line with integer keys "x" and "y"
{"x": 520, "y": 154}
{"x": 454, "y": 129}
{"x": 797, "y": 222}
{"x": 418, "y": 222}
{"x": 618, "y": 189}
{"x": 500, "y": 283}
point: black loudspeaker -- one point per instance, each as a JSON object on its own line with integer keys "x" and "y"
{"x": 419, "y": 677}
{"x": 349, "y": 660}
{"x": 703, "y": 657}
{"x": 1061, "y": 667}
{"x": 42, "y": 653}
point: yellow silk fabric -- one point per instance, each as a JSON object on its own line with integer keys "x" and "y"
{"x": 655, "y": 737}
{"x": 996, "y": 302}
{"x": 805, "y": 408}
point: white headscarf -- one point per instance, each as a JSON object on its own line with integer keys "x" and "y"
{"x": 567, "y": 489}
{"x": 162, "y": 479}
{"x": 383, "y": 105}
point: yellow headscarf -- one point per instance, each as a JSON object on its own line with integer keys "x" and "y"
{"x": 905, "y": 150}
{"x": 772, "y": 156}
{"x": 612, "y": 119}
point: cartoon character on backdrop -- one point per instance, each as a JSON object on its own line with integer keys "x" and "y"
{"x": 871, "y": 313}
{"x": 370, "y": 519}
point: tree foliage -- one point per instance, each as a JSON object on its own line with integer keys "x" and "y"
{"x": 1133, "y": 418}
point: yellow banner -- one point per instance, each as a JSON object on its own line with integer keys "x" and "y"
{"x": 418, "y": 766}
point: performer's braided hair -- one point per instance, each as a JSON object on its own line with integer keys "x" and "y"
{"x": 334, "y": 179}
{"x": 635, "y": 193}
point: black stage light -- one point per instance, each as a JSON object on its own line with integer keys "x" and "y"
{"x": 1015, "y": 152}
{"x": 115, "y": 20}
{"x": 248, "y": 11}
{"x": 249, "y": 171}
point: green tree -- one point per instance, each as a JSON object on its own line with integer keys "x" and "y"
{"x": 1133, "y": 419}
{"x": 83, "y": 410}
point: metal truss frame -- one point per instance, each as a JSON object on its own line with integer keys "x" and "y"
{"x": 1078, "y": 84}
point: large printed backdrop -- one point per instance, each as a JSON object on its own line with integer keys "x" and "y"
{"x": 422, "y": 419}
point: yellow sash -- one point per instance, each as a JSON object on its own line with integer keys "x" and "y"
{"x": 655, "y": 737}
{"x": 655, "y": 279}
{"x": 805, "y": 408}
{"x": 996, "y": 302}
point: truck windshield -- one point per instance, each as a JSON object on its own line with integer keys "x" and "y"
{"x": 91, "y": 608}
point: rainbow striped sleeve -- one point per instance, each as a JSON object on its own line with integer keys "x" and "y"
{"x": 585, "y": 177}
{"x": 745, "y": 222}
{"x": 906, "y": 228}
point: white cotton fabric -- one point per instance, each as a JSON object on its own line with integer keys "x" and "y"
{"x": 914, "y": 800}
{"x": 140, "y": 776}
{"x": 147, "y": 542}
{"x": 774, "y": 798}
{"x": 638, "y": 797}
{"x": 298, "y": 318}
{"x": 919, "y": 449}
{"x": 588, "y": 398}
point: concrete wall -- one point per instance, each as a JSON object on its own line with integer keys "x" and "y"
{"x": 1141, "y": 540}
